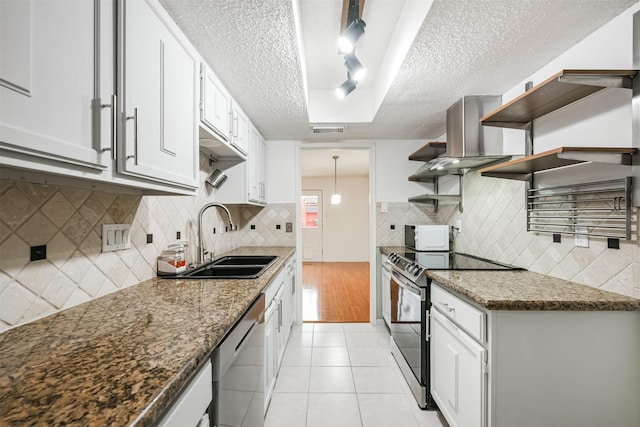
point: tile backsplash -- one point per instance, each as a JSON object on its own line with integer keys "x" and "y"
{"x": 397, "y": 215}
{"x": 69, "y": 221}
{"x": 494, "y": 226}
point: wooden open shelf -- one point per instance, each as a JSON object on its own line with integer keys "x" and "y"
{"x": 559, "y": 157}
{"x": 429, "y": 151}
{"x": 559, "y": 90}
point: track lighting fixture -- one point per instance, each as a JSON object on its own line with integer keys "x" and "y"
{"x": 354, "y": 66}
{"x": 350, "y": 36}
{"x": 347, "y": 43}
{"x": 346, "y": 88}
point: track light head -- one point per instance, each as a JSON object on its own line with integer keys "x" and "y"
{"x": 355, "y": 67}
{"x": 350, "y": 36}
{"x": 345, "y": 88}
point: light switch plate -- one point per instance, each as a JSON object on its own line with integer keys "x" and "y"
{"x": 116, "y": 237}
{"x": 384, "y": 207}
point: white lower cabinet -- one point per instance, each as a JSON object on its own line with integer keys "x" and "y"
{"x": 191, "y": 407}
{"x": 531, "y": 368}
{"x": 270, "y": 362}
{"x": 457, "y": 378}
{"x": 279, "y": 319}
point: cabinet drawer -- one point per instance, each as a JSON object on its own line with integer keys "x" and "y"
{"x": 193, "y": 402}
{"x": 465, "y": 315}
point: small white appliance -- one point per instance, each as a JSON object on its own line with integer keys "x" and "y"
{"x": 427, "y": 237}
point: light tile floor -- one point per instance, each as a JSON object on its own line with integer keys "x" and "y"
{"x": 343, "y": 375}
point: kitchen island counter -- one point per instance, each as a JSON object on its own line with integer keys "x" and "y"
{"x": 525, "y": 290}
{"x": 123, "y": 358}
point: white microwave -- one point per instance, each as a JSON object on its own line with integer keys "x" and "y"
{"x": 427, "y": 237}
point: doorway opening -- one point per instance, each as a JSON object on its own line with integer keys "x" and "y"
{"x": 335, "y": 238}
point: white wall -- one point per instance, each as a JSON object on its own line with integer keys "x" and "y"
{"x": 345, "y": 231}
{"x": 494, "y": 219}
{"x": 600, "y": 120}
{"x": 281, "y": 171}
{"x": 393, "y": 168}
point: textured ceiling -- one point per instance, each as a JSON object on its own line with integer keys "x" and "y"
{"x": 464, "y": 47}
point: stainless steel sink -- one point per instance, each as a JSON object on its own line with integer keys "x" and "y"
{"x": 233, "y": 267}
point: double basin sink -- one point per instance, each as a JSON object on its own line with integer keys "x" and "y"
{"x": 233, "y": 267}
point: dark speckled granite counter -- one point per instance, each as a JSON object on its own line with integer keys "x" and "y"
{"x": 121, "y": 359}
{"x": 525, "y": 290}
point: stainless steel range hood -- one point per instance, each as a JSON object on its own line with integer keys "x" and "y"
{"x": 469, "y": 144}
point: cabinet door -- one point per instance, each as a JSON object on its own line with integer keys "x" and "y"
{"x": 159, "y": 79}
{"x": 253, "y": 166}
{"x": 215, "y": 103}
{"x": 270, "y": 366}
{"x": 54, "y": 57}
{"x": 281, "y": 335}
{"x": 240, "y": 130}
{"x": 287, "y": 319}
{"x": 458, "y": 381}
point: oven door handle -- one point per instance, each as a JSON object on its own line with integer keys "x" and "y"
{"x": 405, "y": 284}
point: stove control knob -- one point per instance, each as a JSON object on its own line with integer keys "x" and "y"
{"x": 412, "y": 268}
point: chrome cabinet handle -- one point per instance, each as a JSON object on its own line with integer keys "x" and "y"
{"x": 446, "y": 306}
{"x": 114, "y": 125}
{"x": 134, "y": 156}
{"x": 279, "y": 315}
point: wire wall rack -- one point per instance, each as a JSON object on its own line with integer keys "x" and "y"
{"x": 599, "y": 209}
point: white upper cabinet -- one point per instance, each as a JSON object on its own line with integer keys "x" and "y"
{"x": 246, "y": 181}
{"x": 239, "y": 129}
{"x": 216, "y": 118}
{"x": 158, "y": 78}
{"x": 215, "y": 107}
{"x": 56, "y": 71}
{"x": 256, "y": 167}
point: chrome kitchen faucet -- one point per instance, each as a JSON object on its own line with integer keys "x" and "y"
{"x": 201, "y": 250}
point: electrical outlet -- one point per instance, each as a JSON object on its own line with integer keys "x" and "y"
{"x": 116, "y": 237}
{"x": 384, "y": 207}
{"x": 288, "y": 227}
{"x": 582, "y": 240}
{"x": 38, "y": 252}
{"x": 459, "y": 225}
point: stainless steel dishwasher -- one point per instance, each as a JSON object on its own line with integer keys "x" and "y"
{"x": 238, "y": 372}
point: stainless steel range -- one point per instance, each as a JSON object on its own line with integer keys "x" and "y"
{"x": 406, "y": 305}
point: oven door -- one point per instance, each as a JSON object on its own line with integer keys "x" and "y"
{"x": 408, "y": 320}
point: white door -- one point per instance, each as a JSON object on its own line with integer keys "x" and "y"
{"x": 160, "y": 75}
{"x": 311, "y": 225}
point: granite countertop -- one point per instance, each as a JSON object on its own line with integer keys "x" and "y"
{"x": 525, "y": 290}
{"x": 121, "y": 359}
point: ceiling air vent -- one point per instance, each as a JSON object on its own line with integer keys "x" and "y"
{"x": 328, "y": 128}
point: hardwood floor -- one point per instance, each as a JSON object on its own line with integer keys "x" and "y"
{"x": 335, "y": 291}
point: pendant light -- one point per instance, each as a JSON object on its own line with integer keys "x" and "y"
{"x": 335, "y": 197}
